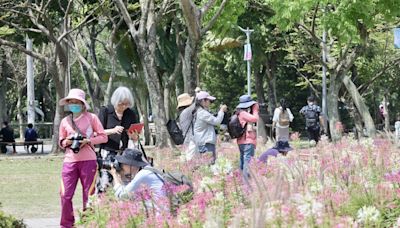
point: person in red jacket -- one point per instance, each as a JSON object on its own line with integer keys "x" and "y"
{"x": 248, "y": 117}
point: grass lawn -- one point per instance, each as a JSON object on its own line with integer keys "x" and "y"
{"x": 30, "y": 187}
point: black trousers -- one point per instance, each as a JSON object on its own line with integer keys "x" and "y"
{"x": 3, "y": 148}
{"x": 313, "y": 133}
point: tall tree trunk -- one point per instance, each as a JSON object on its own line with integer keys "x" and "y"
{"x": 107, "y": 94}
{"x": 361, "y": 106}
{"x": 333, "y": 112}
{"x": 57, "y": 73}
{"x": 156, "y": 96}
{"x": 167, "y": 102}
{"x": 386, "y": 110}
{"x": 145, "y": 38}
{"x": 3, "y": 89}
{"x": 89, "y": 87}
{"x": 20, "y": 117}
{"x": 270, "y": 65}
{"x": 357, "y": 119}
{"x": 259, "y": 80}
{"x": 189, "y": 67}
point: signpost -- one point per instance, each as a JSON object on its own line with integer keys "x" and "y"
{"x": 247, "y": 56}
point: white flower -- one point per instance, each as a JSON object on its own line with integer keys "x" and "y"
{"x": 222, "y": 166}
{"x": 307, "y": 205}
{"x": 183, "y": 217}
{"x": 219, "y": 197}
{"x": 367, "y": 214}
{"x": 207, "y": 183}
{"x": 315, "y": 187}
{"x": 270, "y": 214}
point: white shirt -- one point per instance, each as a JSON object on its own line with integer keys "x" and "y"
{"x": 276, "y": 116}
{"x": 142, "y": 178}
{"x": 397, "y": 128}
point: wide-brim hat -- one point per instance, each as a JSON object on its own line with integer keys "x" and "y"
{"x": 204, "y": 95}
{"x": 77, "y": 94}
{"x": 184, "y": 100}
{"x": 132, "y": 157}
{"x": 283, "y": 146}
{"x": 245, "y": 102}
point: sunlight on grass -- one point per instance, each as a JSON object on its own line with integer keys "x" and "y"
{"x": 30, "y": 187}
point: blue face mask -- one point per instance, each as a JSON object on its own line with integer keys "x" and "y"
{"x": 75, "y": 108}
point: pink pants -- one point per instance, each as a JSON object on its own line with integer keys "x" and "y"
{"x": 71, "y": 172}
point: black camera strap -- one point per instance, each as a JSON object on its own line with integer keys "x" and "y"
{"x": 74, "y": 125}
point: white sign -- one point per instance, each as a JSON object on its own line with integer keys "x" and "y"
{"x": 397, "y": 38}
{"x": 247, "y": 52}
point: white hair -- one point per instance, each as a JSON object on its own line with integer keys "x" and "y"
{"x": 121, "y": 94}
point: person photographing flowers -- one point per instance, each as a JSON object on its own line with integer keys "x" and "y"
{"x": 130, "y": 176}
{"x": 78, "y": 134}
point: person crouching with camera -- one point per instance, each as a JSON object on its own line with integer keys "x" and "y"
{"x": 131, "y": 176}
{"x": 79, "y": 132}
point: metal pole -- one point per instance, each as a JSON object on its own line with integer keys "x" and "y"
{"x": 248, "y": 78}
{"x": 324, "y": 107}
{"x": 248, "y": 32}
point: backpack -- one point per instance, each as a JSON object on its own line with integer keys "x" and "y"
{"x": 284, "y": 119}
{"x": 311, "y": 116}
{"x": 174, "y": 179}
{"x": 235, "y": 129}
{"x": 33, "y": 149}
{"x": 175, "y": 132}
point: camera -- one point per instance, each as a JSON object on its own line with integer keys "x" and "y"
{"x": 75, "y": 146}
{"x": 108, "y": 163}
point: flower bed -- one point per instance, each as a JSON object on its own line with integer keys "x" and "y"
{"x": 348, "y": 184}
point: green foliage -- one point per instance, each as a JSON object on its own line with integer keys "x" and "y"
{"x": 227, "y": 21}
{"x": 342, "y": 18}
{"x": 224, "y": 76}
{"x": 390, "y": 213}
{"x": 8, "y": 221}
{"x": 5, "y": 30}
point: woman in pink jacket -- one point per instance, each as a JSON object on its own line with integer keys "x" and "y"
{"x": 79, "y": 132}
{"x": 248, "y": 117}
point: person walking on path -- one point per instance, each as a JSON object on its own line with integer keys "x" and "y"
{"x": 79, "y": 132}
{"x": 314, "y": 119}
{"x": 186, "y": 108}
{"x": 8, "y": 136}
{"x": 204, "y": 126}
{"x": 281, "y": 121}
{"x": 248, "y": 116}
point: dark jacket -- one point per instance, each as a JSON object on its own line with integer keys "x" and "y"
{"x": 109, "y": 119}
{"x": 30, "y": 134}
{"x": 8, "y": 134}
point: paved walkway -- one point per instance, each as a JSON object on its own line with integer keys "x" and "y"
{"x": 42, "y": 222}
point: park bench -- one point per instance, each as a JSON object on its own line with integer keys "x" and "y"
{"x": 25, "y": 144}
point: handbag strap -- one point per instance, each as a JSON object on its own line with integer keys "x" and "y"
{"x": 191, "y": 124}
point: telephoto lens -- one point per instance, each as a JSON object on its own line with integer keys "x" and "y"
{"x": 108, "y": 164}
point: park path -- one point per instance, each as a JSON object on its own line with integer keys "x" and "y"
{"x": 42, "y": 222}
